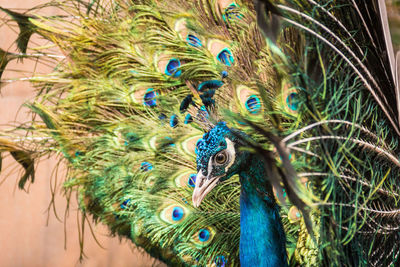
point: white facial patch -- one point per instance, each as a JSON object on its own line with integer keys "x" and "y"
{"x": 210, "y": 166}
{"x": 231, "y": 153}
{"x": 230, "y": 150}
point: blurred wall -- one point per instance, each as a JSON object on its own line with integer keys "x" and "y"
{"x": 29, "y": 235}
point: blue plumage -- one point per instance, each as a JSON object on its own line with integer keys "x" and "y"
{"x": 231, "y": 12}
{"x": 188, "y": 119}
{"x": 172, "y": 68}
{"x": 204, "y": 235}
{"x": 125, "y": 204}
{"x": 192, "y": 180}
{"x": 292, "y": 101}
{"x": 220, "y": 261}
{"x": 193, "y": 40}
{"x": 146, "y": 166}
{"x": 185, "y": 103}
{"x": 226, "y": 57}
{"x": 173, "y": 121}
{"x": 262, "y": 238}
{"x": 210, "y": 84}
{"x": 177, "y": 213}
{"x": 149, "y": 98}
{"x": 253, "y": 104}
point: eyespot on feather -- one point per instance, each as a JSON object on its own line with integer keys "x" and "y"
{"x": 143, "y": 95}
{"x": 192, "y": 180}
{"x": 189, "y": 36}
{"x": 186, "y": 179}
{"x": 143, "y": 170}
{"x": 203, "y": 237}
{"x": 168, "y": 65}
{"x": 230, "y": 11}
{"x": 131, "y": 139}
{"x": 253, "y": 104}
{"x": 220, "y": 261}
{"x": 146, "y": 166}
{"x": 294, "y": 214}
{"x": 172, "y": 68}
{"x": 221, "y": 51}
{"x": 149, "y": 98}
{"x": 225, "y": 56}
{"x": 249, "y": 100}
{"x": 174, "y": 214}
{"x": 126, "y": 204}
{"x": 189, "y": 145}
{"x": 290, "y": 99}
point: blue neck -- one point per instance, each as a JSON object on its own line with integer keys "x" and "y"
{"x": 262, "y": 238}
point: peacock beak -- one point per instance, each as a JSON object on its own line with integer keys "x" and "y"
{"x": 204, "y": 184}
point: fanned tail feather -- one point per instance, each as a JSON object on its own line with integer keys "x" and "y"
{"x": 137, "y": 83}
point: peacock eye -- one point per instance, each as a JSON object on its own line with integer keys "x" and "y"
{"x": 221, "y": 158}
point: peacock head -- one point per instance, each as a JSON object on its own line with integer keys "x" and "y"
{"x": 218, "y": 159}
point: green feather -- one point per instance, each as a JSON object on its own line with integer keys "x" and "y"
{"x": 26, "y": 28}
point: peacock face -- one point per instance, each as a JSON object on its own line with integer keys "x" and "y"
{"x": 216, "y": 160}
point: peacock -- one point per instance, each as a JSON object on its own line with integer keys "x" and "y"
{"x": 218, "y": 159}
{"x": 221, "y": 132}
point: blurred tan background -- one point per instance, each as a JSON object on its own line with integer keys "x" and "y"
{"x": 29, "y": 235}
